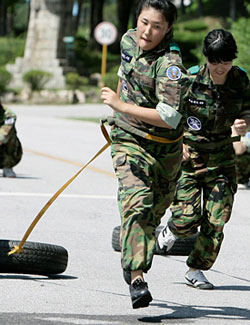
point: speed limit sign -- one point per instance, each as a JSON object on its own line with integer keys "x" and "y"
{"x": 105, "y": 33}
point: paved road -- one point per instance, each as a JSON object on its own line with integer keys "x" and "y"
{"x": 91, "y": 290}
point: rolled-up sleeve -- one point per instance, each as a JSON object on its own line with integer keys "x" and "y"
{"x": 171, "y": 77}
{"x": 168, "y": 114}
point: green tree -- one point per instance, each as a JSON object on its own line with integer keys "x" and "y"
{"x": 241, "y": 31}
{"x": 10, "y": 21}
{"x": 222, "y": 8}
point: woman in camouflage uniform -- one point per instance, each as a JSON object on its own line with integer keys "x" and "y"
{"x": 10, "y": 146}
{"x": 218, "y": 97}
{"x": 147, "y": 136}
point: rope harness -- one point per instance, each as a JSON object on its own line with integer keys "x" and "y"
{"x": 111, "y": 121}
{"x": 19, "y": 248}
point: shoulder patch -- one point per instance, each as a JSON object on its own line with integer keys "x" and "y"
{"x": 194, "y": 69}
{"x": 174, "y": 72}
{"x": 194, "y": 123}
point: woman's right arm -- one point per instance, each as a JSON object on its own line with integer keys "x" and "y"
{"x": 148, "y": 115}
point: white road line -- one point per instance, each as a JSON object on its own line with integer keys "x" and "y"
{"x": 80, "y": 321}
{"x": 75, "y": 196}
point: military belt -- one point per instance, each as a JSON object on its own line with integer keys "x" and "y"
{"x": 131, "y": 129}
{"x": 211, "y": 145}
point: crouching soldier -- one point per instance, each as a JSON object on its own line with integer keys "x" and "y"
{"x": 10, "y": 146}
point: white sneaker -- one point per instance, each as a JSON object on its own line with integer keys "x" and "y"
{"x": 166, "y": 239}
{"x": 8, "y": 172}
{"x": 197, "y": 279}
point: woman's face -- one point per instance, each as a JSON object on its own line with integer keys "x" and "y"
{"x": 218, "y": 71}
{"x": 151, "y": 28}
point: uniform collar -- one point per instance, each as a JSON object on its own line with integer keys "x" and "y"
{"x": 203, "y": 77}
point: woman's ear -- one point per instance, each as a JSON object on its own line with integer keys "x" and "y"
{"x": 169, "y": 28}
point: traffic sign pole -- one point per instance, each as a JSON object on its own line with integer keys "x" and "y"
{"x": 105, "y": 33}
{"x": 104, "y": 59}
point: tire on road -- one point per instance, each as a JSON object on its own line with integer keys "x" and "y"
{"x": 35, "y": 258}
{"x": 181, "y": 247}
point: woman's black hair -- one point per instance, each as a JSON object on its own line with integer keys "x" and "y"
{"x": 219, "y": 46}
{"x": 167, "y": 8}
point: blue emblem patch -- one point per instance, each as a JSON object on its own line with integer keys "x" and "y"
{"x": 173, "y": 72}
{"x": 248, "y": 135}
{"x": 194, "y": 123}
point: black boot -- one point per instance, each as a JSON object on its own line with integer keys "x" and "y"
{"x": 127, "y": 276}
{"x": 140, "y": 294}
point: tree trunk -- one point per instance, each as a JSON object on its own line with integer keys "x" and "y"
{"x": 183, "y": 9}
{"x": 10, "y": 19}
{"x": 136, "y": 3}
{"x": 3, "y": 18}
{"x": 78, "y": 16}
{"x": 96, "y": 13}
{"x": 124, "y": 9}
{"x": 232, "y": 10}
{"x": 200, "y": 8}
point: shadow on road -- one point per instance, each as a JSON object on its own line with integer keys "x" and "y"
{"x": 186, "y": 313}
{"x": 35, "y": 277}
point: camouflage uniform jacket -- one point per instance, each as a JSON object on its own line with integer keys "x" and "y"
{"x": 152, "y": 79}
{"x": 7, "y": 122}
{"x": 211, "y": 110}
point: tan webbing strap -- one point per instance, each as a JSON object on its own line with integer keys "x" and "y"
{"x": 212, "y": 145}
{"x": 129, "y": 128}
{"x": 18, "y": 249}
{"x": 162, "y": 140}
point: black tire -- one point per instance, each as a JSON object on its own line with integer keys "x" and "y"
{"x": 116, "y": 239}
{"x": 35, "y": 258}
{"x": 181, "y": 247}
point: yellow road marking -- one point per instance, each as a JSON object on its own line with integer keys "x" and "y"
{"x": 75, "y": 163}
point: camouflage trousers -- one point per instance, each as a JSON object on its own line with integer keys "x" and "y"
{"x": 243, "y": 168}
{"x": 11, "y": 152}
{"x": 147, "y": 175}
{"x": 203, "y": 201}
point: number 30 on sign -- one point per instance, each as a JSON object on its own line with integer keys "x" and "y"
{"x": 105, "y": 33}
